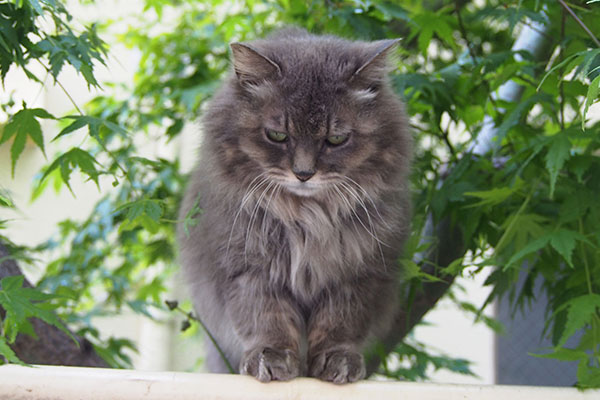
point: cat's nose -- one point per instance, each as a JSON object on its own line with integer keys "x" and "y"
{"x": 303, "y": 175}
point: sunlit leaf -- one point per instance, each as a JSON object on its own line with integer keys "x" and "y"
{"x": 5, "y": 200}
{"x": 145, "y": 212}
{"x": 20, "y": 127}
{"x": 74, "y": 158}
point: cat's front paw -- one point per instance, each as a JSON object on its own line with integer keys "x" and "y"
{"x": 338, "y": 366}
{"x": 267, "y": 364}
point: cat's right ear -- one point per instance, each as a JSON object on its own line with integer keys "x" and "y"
{"x": 252, "y": 67}
{"x": 375, "y": 67}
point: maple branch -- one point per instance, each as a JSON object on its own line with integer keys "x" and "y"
{"x": 580, "y": 22}
{"x": 449, "y": 247}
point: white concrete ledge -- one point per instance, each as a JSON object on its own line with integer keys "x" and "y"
{"x": 69, "y": 383}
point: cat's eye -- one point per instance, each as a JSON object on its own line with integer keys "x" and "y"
{"x": 276, "y": 136}
{"x": 336, "y": 140}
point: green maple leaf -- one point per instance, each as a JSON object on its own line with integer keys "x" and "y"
{"x": 581, "y": 311}
{"x": 494, "y": 196}
{"x": 558, "y": 153}
{"x": 524, "y": 227}
{"x": 70, "y": 160}
{"x": 144, "y": 212}
{"x": 588, "y": 376}
{"x": 94, "y": 125}
{"x": 526, "y": 250}
{"x": 590, "y": 97}
{"x": 564, "y": 354}
{"x": 5, "y": 200}
{"x": 22, "y": 125}
{"x": 564, "y": 241}
{"x": 21, "y": 303}
{"x": 8, "y": 353}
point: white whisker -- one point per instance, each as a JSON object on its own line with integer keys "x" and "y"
{"x": 348, "y": 204}
{"x": 253, "y": 217}
{"x": 252, "y": 187}
{"x": 369, "y": 198}
{"x": 371, "y": 229}
{"x": 262, "y": 224}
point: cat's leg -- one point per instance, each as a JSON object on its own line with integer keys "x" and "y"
{"x": 269, "y": 326}
{"x": 341, "y": 327}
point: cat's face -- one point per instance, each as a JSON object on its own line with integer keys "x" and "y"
{"x": 308, "y": 145}
{"x": 313, "y": 116}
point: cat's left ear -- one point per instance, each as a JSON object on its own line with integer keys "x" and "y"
{"x": 375, "y": 68}
{"x": 251, "y": 66}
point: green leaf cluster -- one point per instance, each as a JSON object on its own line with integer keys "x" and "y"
{"x": 417, "y": 362}
{"x": 24, "y": 125}
{"x": 20, "y": 305}
{"x": 25, "y": 39}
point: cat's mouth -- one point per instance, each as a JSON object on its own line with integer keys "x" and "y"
{"x": 305, "y": 189}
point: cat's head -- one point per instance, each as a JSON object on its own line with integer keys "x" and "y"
{"x": 310, "y": 114}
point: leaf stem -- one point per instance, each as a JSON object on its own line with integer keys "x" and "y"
{"x": 63, "y": 88}
{"x": 115, "y": 159}
{"x": 580, "y": 22}
{"x": 514, "y": 221}
{"x": 588, "y": 277}
{"x": 119, "y": 166}
{"x": 446, "y": 138}
{"x": 586, "y": 265}
{"x": 463, "y": 31}
{"x": 561, "y": 82}
{"x": 210, "y": 336}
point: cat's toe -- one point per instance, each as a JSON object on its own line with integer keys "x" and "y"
{"x": 338, "y": 366}
{"x": 267, "y": 364}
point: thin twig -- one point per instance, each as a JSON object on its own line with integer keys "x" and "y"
{"x": 63, "y": 88}
{"x": 69, "y": 96}
{"x": 463, "y": 31}
{"x": 446, "y": 138}
{"x": 537, "y": 30}
{"x": 588, "y": 278}
{"x": 98, "y": 139}
{"x": 561, "y": 86}
{"x": 42, "y": 85}
{"x": 580, "y": 22}
{"x": 173, "y": 305}
{"x": 526, "y": 80}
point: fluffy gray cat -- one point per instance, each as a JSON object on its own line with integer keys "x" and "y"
{"x": 302, "y": 182}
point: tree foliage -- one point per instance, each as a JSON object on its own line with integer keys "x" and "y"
{"x": 528, "y": 208}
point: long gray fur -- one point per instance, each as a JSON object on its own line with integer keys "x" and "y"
{"x": 299, "y": 278}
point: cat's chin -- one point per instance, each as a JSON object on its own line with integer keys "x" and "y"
{"x": 304, "y": 189}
